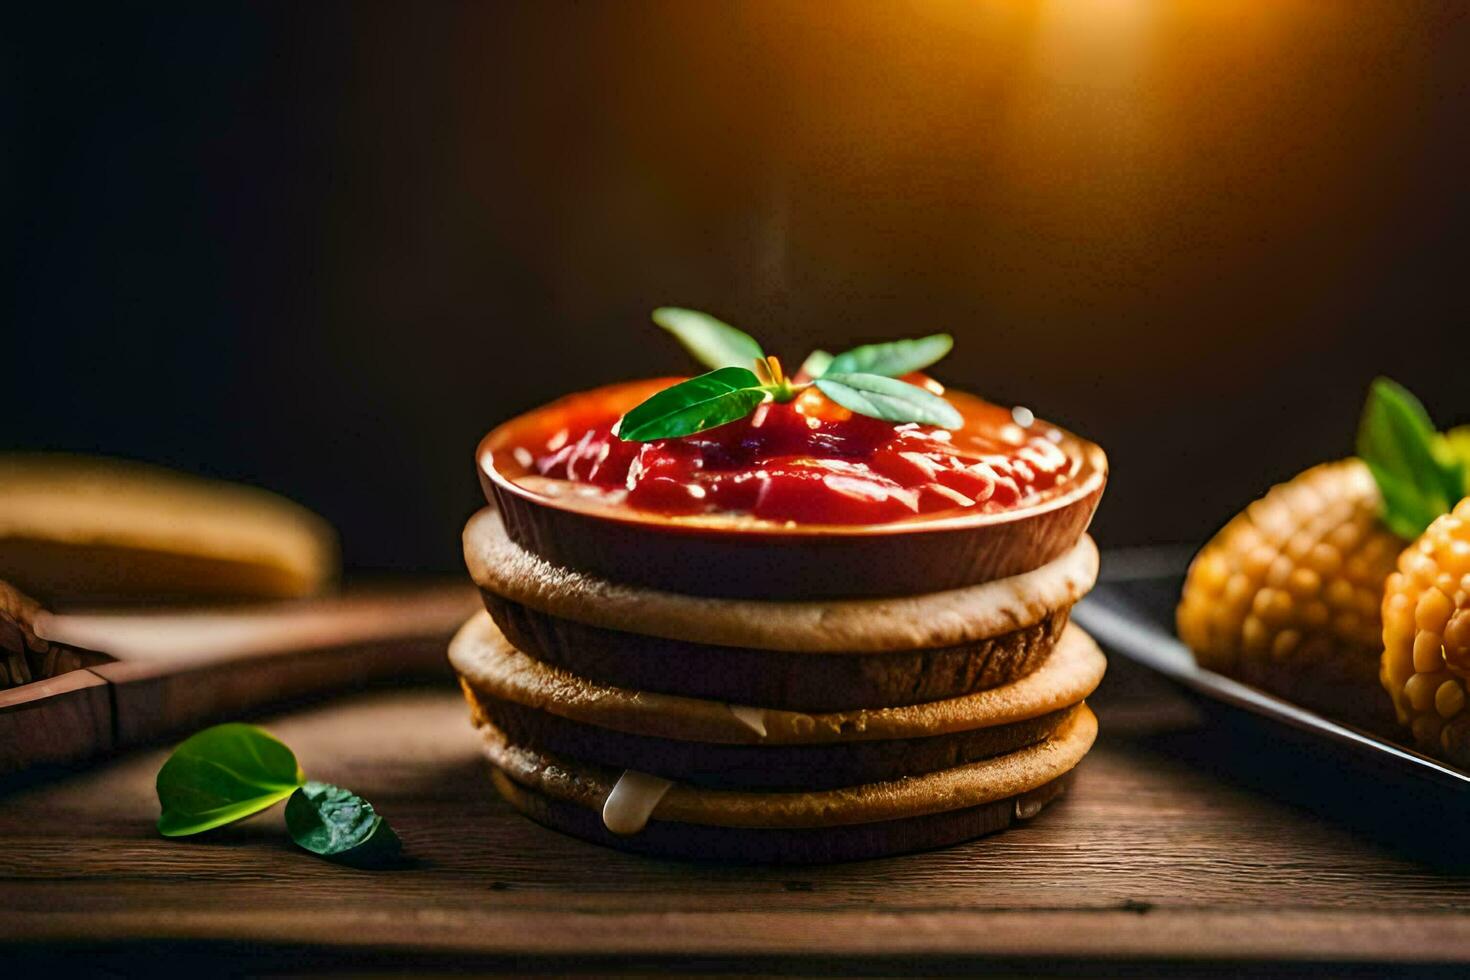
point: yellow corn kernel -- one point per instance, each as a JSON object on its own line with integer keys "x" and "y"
{"x": 1344, "y": 537}
{"x": 1325, "y": 560}
{"x": 1426, "y": 729}
{"x": 1303, "y": 583}
{"x": 1254, "y": 635}
{"x": 1339, "y": 593}
{"x": 1432, "y": 611}
{"x": 1456, "y": 640}
{"x": 1214, "y": 574}
{"x": 1285, "y": 644}
{"x": 1449, "y": 698}
{"x": 1454, "y": 738}
{"x": 1420, "y": 689}
{"x": 1459, "y": 558}
{"x": 1397, "y": 668}
{"x": 1428, "y": 653}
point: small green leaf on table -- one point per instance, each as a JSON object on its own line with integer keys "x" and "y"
{"x": 221, "y": 775}
{"x": 889, "y": 399}
{"x": 713, "y": 343}
{"x": 691, "y": 406}
{"x": 337, "y": 824}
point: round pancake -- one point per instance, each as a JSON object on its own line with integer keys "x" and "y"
{"x": 796, "y": 681}
{"x": 929, "y": 620}
{"x": 769, "y": 767}
{"x": 490, "y": 665}
{"x": 987, "y": 781}
{"x": 823, "y": 845}
{"x": 847, "y": 824}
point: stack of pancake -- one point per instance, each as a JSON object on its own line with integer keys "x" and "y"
{"x": 768, "y": 729}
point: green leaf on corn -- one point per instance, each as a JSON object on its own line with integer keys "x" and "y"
{"x": 1420, "y": 473}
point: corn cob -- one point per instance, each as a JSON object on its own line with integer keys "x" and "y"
{"x": 1426, "y": 636}
{"x": 1286, "y": 597}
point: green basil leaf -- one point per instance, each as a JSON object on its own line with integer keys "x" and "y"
{"x": 892, "y": 359}
{"x": 816, "y": 364}
{"x": 889, "y": 399}
{"x": 1454, "y": 446}
{"x": 713, "y": 343}
{"x": 338, "y": 824}
{"x": 691, "y": 406}
{"x": 222, "y": 774}
{"x": 1397, "y": 440}
{"x": 1404, "y": 511}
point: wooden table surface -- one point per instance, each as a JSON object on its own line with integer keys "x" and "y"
{"x": 1167, "y": 855}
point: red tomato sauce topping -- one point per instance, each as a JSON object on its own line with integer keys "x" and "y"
{"x": 812, "y": 462}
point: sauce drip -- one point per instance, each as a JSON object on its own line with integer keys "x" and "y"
{"x": 752, "y": 718}
{"x": 627, "y": 808}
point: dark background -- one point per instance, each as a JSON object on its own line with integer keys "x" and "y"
{"x": 323, "y": 246}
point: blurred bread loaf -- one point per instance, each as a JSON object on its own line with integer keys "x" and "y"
{"x": 79, "y": 527}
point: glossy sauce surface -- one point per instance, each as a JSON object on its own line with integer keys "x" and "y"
{"x": 809, "y": 462}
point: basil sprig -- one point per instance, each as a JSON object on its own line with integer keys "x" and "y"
{"x": 862, "y": 380}
{"x": 713, "y": 343}
{"x": 816, "y": 364}
{"x": 888, "y": 399}
{"x": 1420, "y": 473}
{"x": 893, "y": 358}
{"x": 712, "y": 399}
{"x": 233, "y": 771}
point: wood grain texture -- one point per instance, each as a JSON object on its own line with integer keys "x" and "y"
{"x": 56, "y": 720}
{"x": 178, "y": 668}
{"x": 1165, "y": 851}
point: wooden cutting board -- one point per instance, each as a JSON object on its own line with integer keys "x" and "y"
{"x": 130, "y": 676}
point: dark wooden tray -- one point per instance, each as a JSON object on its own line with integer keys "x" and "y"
{"x": 1131, "y": 613}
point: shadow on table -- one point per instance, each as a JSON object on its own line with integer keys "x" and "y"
{"x": 1373, "y": 794}
{"x": 1416, "y": 823}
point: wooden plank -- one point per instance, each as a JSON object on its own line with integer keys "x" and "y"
{"x": 1201, "y": 935}
{"x": 55, "y": 721}
{"x": 181, "y": 668}
{"x": 1159, "y": 854}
